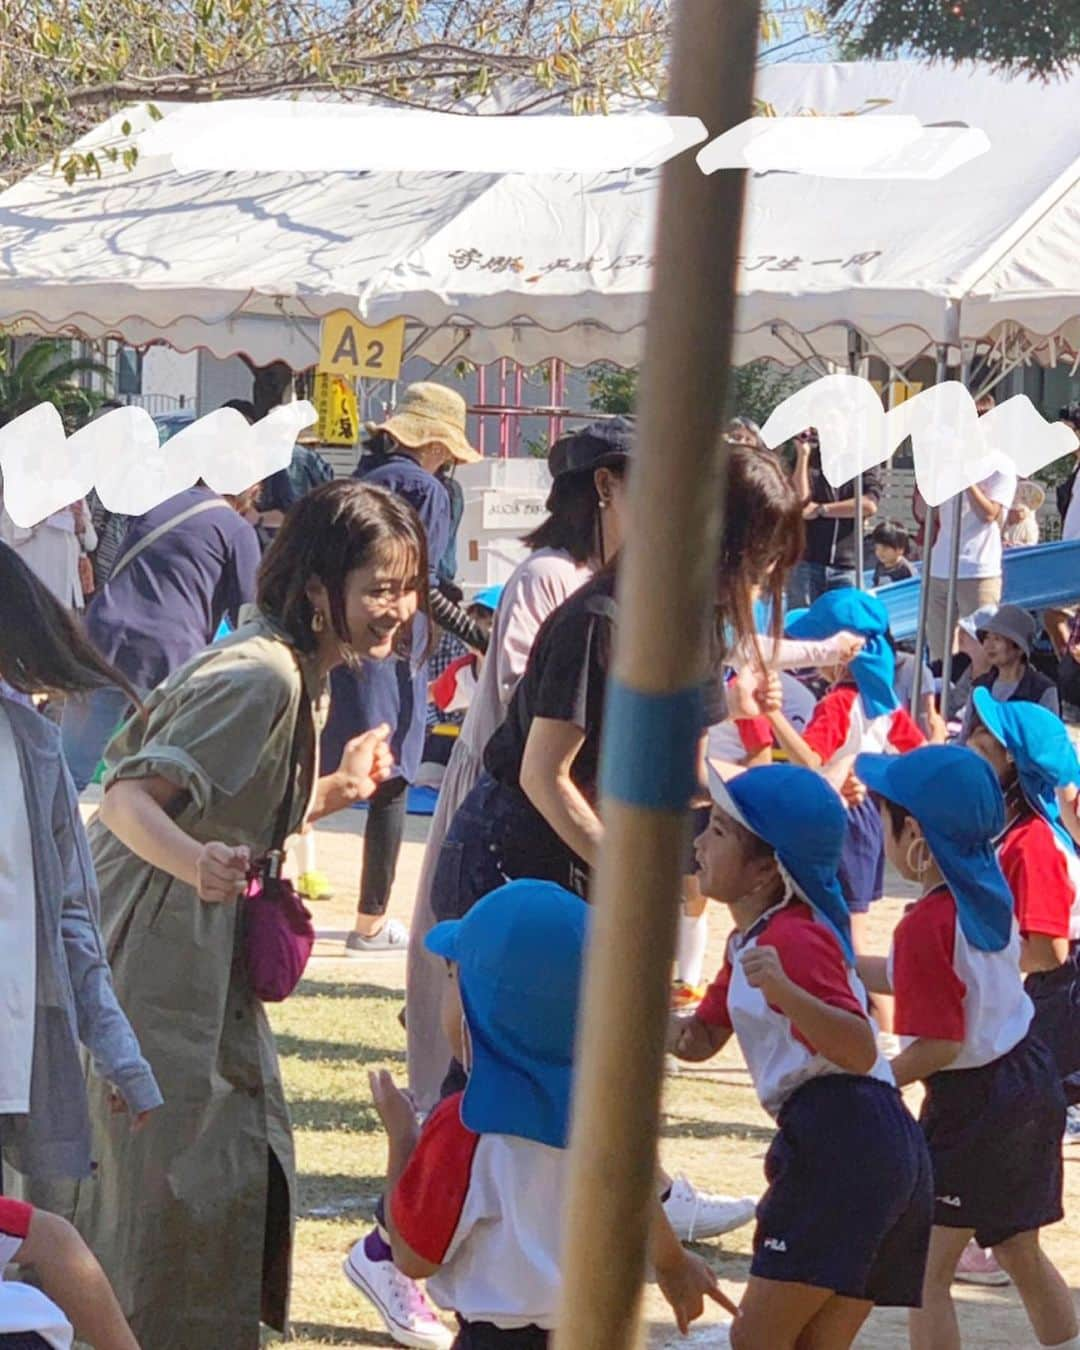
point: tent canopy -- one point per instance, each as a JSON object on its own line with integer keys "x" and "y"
{"x": 534, "y": 266}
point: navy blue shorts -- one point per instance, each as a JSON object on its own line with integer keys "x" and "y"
{"x": 1056, "y": 995}
{"x": 862, "y": 859}
{"x": 850, "y": 1200}
{"x": 994, "y": 1135}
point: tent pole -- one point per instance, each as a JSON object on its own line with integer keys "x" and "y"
{"x": 957, "y": 508}
{"x": 927, "y": 549}
{"x": 855, "y": 366}
{"x": 667, "y": 591}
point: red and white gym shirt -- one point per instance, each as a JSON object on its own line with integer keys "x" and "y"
{"x": 840, "y": 728}
{"x": 487, "y": 1209}
{"x": 1043, "y": 875}
{"x": 778, "y": 1055}
{"x": 947, "y": 989}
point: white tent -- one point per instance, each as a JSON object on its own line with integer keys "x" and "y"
{"x": 531, "y": 266}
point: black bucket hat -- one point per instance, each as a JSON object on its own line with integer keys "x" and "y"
{"x": 592, "y": 447}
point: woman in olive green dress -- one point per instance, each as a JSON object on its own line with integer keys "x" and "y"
{"x": 192, "y": 1217}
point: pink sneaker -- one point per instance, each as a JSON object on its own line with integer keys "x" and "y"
{"x": 978, "y": 1265}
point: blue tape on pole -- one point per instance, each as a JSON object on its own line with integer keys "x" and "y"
{"x": 650, "y": 747}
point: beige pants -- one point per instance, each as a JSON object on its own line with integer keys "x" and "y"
{"x": 972, "y": 594}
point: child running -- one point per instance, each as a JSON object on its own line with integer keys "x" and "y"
{"x": 1030, "y": 752}
{"x": 859, "y": 713}
{"x": 846, "y": 1220}
{"x": 994, "y": 1112}
{"x": 475, "y": 1197}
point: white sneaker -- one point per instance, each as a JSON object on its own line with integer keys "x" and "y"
{"x": 695, "y": 1214}
{"x": 399, "y": 1301}
{"x": 1072, "y": 1126}
{"x": 392, "y": 939}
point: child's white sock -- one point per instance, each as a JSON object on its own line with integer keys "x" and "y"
{"x": 1073, "y": 1343}
{"x": 690, "y": 948}
{"x": 306, "y": 850}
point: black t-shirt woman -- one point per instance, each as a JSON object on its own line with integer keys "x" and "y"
{"x": 534, "y": 813}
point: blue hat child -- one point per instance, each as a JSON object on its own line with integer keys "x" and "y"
{"x": 954, "y": 796}
{"x": 488, "y": 598}
{"x": 1040, "y": 747}
{"x": 802, "y": 819}
{"x": 853, "y": 611}
{"x": 520, "y": 953}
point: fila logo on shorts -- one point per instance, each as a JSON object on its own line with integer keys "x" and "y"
{"x": 775, "y": 1244}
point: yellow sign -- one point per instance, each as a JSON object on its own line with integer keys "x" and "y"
{"x": 348, "y": 347}
{"x": 339, "y": 416}
{"x": 899, "y": 391}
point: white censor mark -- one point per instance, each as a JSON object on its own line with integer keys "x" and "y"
{"x": 953, "y": 446}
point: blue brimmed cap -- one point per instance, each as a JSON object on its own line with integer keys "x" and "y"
{"x": 848, "y": 610}
{"x": 520, "y": 953}
{"x": 1040, "y": 746}
{"x": 803, "y": 820}
{"x": 955, "y": 797}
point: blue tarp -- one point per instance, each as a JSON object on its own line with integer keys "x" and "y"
{"x": 1048, "y": 574}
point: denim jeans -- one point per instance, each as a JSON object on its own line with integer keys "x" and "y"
{"x": 809, "y": 580}
{"x": 497, "y": 836}
{"x": 86, "y": 728}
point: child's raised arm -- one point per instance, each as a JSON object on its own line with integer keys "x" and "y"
{"x": 398, "y": 1116}
{"x": 845, "y": 1038}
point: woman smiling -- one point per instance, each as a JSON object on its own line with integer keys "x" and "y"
{"x": 193, "y": 1218}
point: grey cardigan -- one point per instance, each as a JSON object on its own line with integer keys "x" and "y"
{"x": 75, "y": 1001}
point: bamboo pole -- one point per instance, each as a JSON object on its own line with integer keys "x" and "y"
{"x": 929, "y": 520}
{"x": 665, "y": 605}
{"x": 956, "y": 506}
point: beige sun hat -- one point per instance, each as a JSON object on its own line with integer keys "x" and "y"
{"x": 1029, "y": 494}
{"x": 430, "y": 412}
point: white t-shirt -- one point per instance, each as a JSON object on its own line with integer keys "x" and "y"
{"x": 980, "y": 540}
{"x": 487, "y": 1210}
{"x": 24, "y": 1308}
{"x": 18, "y": 939}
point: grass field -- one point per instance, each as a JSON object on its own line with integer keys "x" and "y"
{"x": 344, "y": 1021}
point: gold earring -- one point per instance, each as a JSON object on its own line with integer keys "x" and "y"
{"x": 318, "y": 621}
{"x": 919, "y": 867}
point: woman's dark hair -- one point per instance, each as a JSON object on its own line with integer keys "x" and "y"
{"x": 763, "y": 540}
{"x": 43, "y": 648}
{"x": 244, "y": 407}
{"x": 327, "y": 534}
{"x": 742, "y": 423}
{"x": 891, "y": 534}
{"x": 573, "y": 523}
